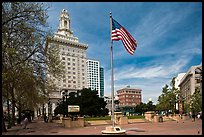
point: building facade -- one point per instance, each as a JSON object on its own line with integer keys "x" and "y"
{"x": 93, "y": 75}
{"x": 177, "y": 82}
{"x": 73, "y": 56}
{"x": 101, "y": 82}
{"x": 190, "y": 82}
{"x": 108, "y": 100}
{"x": 129, "y": 97}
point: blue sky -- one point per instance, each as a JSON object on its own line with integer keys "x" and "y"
{"x": 169, "y": 37}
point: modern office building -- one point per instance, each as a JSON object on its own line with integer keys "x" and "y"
{"x": 129, "y": 97}
{"x": 73, "y": 56}
{"x": 101, "y": 82}
{"x": 93, "y": 75}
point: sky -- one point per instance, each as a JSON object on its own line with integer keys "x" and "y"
{"x": 169, "y": 37}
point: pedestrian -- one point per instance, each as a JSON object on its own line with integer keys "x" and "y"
{"x": 193, "y": 117}
{"x": 201, "y": 115}
{"x": 198, "y": 116}
{"x": 25, "y": 122}
{"x": 45, "y": 118}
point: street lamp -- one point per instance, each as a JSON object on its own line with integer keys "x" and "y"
{"x": 191, "y": 107}
{"x": 66, "y": 94}
{"x": 49, "y": 107}
{"x": 170, "y": 105}
{"x": 176, "y": 104}
{"x": 183, "y": 103}
{"x": 117, "y": 102}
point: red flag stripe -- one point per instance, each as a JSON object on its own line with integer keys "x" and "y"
{"x": 127, "y": 42}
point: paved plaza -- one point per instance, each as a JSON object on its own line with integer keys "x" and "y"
{"x": 38, "y": 127}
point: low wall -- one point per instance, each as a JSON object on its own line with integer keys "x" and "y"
{"x": 76, "y": 122}
{"x": 119, "y": 118}
{"x": 149, "y": 115}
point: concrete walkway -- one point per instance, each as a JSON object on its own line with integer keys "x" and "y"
{"x": 38, "y": 127}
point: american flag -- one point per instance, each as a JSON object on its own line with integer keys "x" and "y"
{"x": 120, "y": 33}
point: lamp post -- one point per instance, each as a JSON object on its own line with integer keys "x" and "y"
{"x": 49, "y": 107}
{"x": 191, "y": 107}
{"x": 170, "y": 105}
{"x": 117, "y": 103}
{"x": 66, "y": 94}
{"x": 183, "y": 103}
{"x": 176, "y": 104}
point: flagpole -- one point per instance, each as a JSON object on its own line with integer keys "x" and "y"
{"x": 112, "y": 82}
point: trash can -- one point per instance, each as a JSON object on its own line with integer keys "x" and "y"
{"x": 160, "y": 119}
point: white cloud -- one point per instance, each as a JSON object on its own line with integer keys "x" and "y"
{"x": 150, "y": 79}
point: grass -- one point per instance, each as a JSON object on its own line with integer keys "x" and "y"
{"x": 109, "y": 118}
{"x": 136, "y": 117}
{"x": 98, "y": 118}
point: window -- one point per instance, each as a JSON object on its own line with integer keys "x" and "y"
{"x": 65, "y": 23}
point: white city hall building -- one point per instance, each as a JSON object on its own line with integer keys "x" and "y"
{"x": 73, "y": 55}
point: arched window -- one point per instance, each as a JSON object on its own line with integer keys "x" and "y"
{"x": 65, "y": 23}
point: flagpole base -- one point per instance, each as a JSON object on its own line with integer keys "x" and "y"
{"x": 110, "y": 130}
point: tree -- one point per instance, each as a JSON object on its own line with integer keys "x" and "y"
{"x": 26, "y": 59}
{"x": 150, "y": 106}
{"x": 196, "y": 104}
{"x": 89, "y": 101}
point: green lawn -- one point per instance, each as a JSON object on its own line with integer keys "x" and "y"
{"x": 109, "y": 118}
{"x": 136, "y": 117}
{"x": 98, "y": 118}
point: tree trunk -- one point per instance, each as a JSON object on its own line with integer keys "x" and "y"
{"x": 8, "y": 108}
{"x": 19, "y": 113}
{"x": 13, "y": 105}
{"x": 3, "y": 128}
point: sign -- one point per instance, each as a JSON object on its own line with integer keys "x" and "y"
{"x": 73, "y": 108}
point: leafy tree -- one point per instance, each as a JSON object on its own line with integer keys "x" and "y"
{"x": 26, "y": 58}
{"x": 89, "y": 101}
{"x": 196, "y": 102}
{"x": 150, "y": 106}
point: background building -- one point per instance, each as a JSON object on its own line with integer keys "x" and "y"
{"x": 129, "y": 97}
{"x": 93, "y": 75}
{"x": 73, "y": 56}
{"x": 101, "y": 82}
{"x": 108, "y": 100}
{"x": 191, "y": 81}
{"x": 177, "y": 82}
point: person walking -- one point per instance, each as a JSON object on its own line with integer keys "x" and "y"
{"x": 25, "y": 122}
{"x": 193, "y": 117}
{"x": 45, "y": 118}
